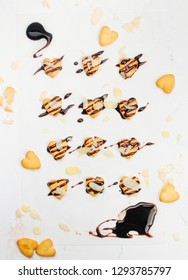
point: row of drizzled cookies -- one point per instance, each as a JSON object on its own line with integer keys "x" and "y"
{"x": 90, "y": 63}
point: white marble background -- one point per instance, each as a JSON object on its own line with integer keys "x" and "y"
{"x": 162, "y": 37}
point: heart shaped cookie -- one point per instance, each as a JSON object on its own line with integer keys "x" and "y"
{"x": 166, "y": 83}
{"x": 53, "y": 106}
{"x": 45, "y": 249}
{"x": 168, "y": 193}
{"x": 31, "y": 161}
{"x": 51, "y": 67}
{"x": 27, "y": 246}
{"x": 127, "y": 108}
{"x": 94, "y": 186}
{"x": 107, "y": 36}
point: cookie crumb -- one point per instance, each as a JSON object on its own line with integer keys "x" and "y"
{"x": 37, "y": 230}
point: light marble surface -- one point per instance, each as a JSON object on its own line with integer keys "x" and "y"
{"x": 161, "y": 38}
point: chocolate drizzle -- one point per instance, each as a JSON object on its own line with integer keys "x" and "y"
{"x": 35, "y": 31}
{"x": 114, "y": 184}
{"x": 143, "y": 108}
{"x": 139, "y": 218}
{"x": 79, "y": 183}
{"x": 67, "y": 95}
{"x": 80, "y": 120}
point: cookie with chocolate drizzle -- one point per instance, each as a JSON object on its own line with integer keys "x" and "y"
{"x": 92, "y": 107}
{"x": 129, "y": 147}
{"x": 59, "y": 148}
{"x": 58, "y": 188}
{"x": 51, "y": 67}
{"x": 91, "y": 64}
{"x": 94, "y": 186}
{"x": 128, "y": 66}
{"x": 138, "y": 218}
{"x": 129, "y": 186}
{"x": 53, "y": 107}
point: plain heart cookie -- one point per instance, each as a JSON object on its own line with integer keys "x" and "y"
{"x": 168, "y": 193}
{"x": 45, "y": 249}
{"x": 31, "y": 161}
{"x": 166, "y": 83}
{"x": 107, "y": 36}
{"x": 27, "y": 246}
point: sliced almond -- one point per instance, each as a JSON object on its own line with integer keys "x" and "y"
{"x": 34, "y": 214}
{"x": 84, "y": 150}
{"x": 96, "y": 16}
{"x": 97, "y": 106}
{"x": 8, "y": 121}
{"x": 95, "y": 187}
{"x": 128, "y": 27}
{"x": 44, "y": 95}
{"x": 130, "y": 183}
{"x": 59, "y": 145}
{"x": 136, "y": 22}
{"x": 55, "y": 105}
{"x": 25, "y": 208}
{"x": 72, "y": 170}
{"x": 117, "y": 92}
{"x": 64, "y": 227}
{"x": 110, "y": 104}
{"x": 85, "y": 103}
{"x": 108, "y": 153}
{"x": 1, "y": 80}
{"x": 9, "y": 95}
{"x": 1, "y": 100}
{"x": 8, "y": 109}
{"x": 60, "y": 191}
{"x": 37, "y": 230}
{"x": 122, "y": 150}
{"x": 122, "y": 215}
{"x": 19, "y": 213}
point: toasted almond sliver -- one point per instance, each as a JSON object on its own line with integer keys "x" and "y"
{"x": 136, "y": 22}
{"x": 122, "y": 215}
{"x": 97, "y": 16}
{"x": 19, "y": 213}
{"x": 128, "y": 27}
{"x": 110, "y": 104}
{"x": 117, "y": 93}
{"x": 1, "y": 80}
{"x": 59, "y": 191}
{"x": 1, "y": 100}
{"x": 8, "y": 121}
{"x": 64, "y": 227}
{"x": 130, "y": 183}
{"x": 25, "y": 208}
{"x": 108, "y": 153}
{"x": 37, "y": 230}
{"x": 8, "y": 109}
{"x": 95, "y": 187}
{"x": 34, "y": 214}
{"x": 9, "y": 95}
{"x": 97, "y": 106}
{"x": 72, "y": 170}
{"x": 122, "y": 150}
{"x": 59, "y": 145}
{"x": 84, "y": 150}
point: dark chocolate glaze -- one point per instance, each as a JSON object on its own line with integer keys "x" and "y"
{"x": 80, "y": 120}
{"x": 67, "y": 95}
{"x": 64, "y": 111}
{"x": 35, "y": 31}
{"x": 139, "y": 218}
{"x": 79, "y": 71}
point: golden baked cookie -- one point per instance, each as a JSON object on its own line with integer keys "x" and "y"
{"x": 168, "y": 193}
{"x": 94, "y": 186}
{"x": 166, "y": 83}
{"x": 31, "y": 161}
{"x": 107, "y": 36}
{"x": 27, "y": 246}
{"x": 58, "y": 188}
{"x": 45, "y": 249}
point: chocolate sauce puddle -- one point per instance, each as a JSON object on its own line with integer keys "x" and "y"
{"x": 35, "y": 31}
{"x": 139, "y": 218}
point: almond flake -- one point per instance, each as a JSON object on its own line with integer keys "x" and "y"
{"x": 96, "y": 16}
{"x": 1, "y": 80}
{"x": 117, "y": 93}
{"x": 19, "y": 213}
{"x": 72, "y": 170}
{"x": 108, "y": 153}
{"x": 122, "y": 150}
{"x": 130, "y": 183}
{"x": 8, "y": 109}
{"x": 9, "y": 95}
{"x": 8, "y": 121}
{"x": 64, "y": 227}
{"x": 84, "y": 150}
{"x": 110, "y": 104}
{"x": 1, "y": 100}
{"x": 59, "y": 145}
{"x": 85, "y": 103}
{"x": 55, "y": 105}
{"x": 136, "y": 22}
{"x": 37, "y": 230}
{"x": 34, "y": 214}
{"x": 44, "y": 95}
{"x": 95, "y": 187}
{"x": 122, "y": 215}
{"x": 59, "y": 191}
{"x": 25, "y": 208}
{"x": 97, "y": 106}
